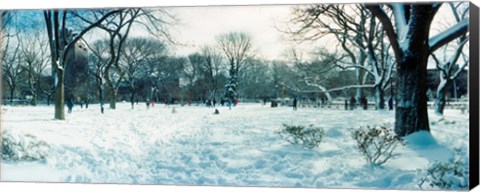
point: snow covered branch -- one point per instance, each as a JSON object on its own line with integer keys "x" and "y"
{"x": 355, "y": 66}
{"x": 351, "y": 87}
{"x": 448, "y": 35}
{"x": 400, "y": 19}
{"x": 328, "y": 90}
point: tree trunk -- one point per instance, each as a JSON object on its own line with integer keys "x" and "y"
{"x": 34, "y": 98}
{"x": 360, "y": 60}
{"x": 379, "y": 98}
{"x": 411, "y": 100}
{"x": 12, "y": 91}
{"x": 132, "y": 97}
{"x": 440, "y": 101}
{"x": 59, "y": 96}
{"x": 48, "y": 99}
{"x": 100, "y": 93}
{"x": 358, "y": 94}
{"x": 112, "y": 97}
{"x": 411, "y": 113}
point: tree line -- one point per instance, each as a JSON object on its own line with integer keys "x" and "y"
{"x": 380, "y": 49}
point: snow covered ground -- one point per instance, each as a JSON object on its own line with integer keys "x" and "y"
{"x": 238, "y": 147}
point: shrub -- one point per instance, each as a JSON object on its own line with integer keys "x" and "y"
{"x": 309, "y": 137}
{"x": 449, "y": 175}
{"x": 377, "y": 143}
{"x": 22, "y": 148}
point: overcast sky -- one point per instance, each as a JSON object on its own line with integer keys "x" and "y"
{"x": 200, "y": 25}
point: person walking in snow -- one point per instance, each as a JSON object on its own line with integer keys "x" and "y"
{"x": 390, "y": 103}
{"x": 230, "y": 104}
{"x": 364, "y": 103}
{"x": 222, "y": 101}
{"x": 132, "y": 101}
{"x": 101, "y": 107}
{"x": 295, "y": 103}
{"x": 346, "y": 104}
{"x": 70, "y": 105}
{"x": 352, "y": 103}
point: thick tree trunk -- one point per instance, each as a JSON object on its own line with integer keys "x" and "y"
{"x": 440, "y": 101}
{"x": 379, "y": 97}
{"x": 411, "y": 113}
{"x": 411, "y": 100}
{"x": 59, "y": 96}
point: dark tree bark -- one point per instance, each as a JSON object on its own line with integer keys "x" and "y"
{"x": 379, "y": 97}
{"x": 412, "y": 46}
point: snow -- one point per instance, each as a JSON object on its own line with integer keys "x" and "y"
{"x": 400, "y": 20}
{"x": 238, "y": 147}
{"x": 434, "y": 41}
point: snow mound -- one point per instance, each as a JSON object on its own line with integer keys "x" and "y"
{"x": 23, "y": 147}
{"x": 421, "y": 139}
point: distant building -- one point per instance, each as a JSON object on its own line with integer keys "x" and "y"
{"x": 76, "y": 72}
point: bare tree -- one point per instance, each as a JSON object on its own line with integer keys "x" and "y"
{"x": 61, "y": 42}
{"x": 236, "y": 46}
{"x": 345, "y": 22}
{"x": 359, "y": 36}
{"x": 11, "y": 68}
{"x": 316, "y": 73}
{"x": 136, "y": 53}
{"x": 449, "y": 67}
{"x": 255, "y": 80}
{"x": 118, "y": 29}
{"x": 212, "y": 67}
{"x": 35, "y": 58}
{"x": 412, "y": 44}
{"x": 163, "y": 74}
{"x": 192, "y": 70}
{"x": 98, "y": 57}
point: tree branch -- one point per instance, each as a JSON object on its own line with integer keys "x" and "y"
{"x": 448, "y": 35}
{"x": 387, "y": 25}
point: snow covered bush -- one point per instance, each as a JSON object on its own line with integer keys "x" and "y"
{"x": 309, "y": 137}
{"x": 451, "y": 175}
{"x": 24, "y": 147}
{"x": 377, "y": 143}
